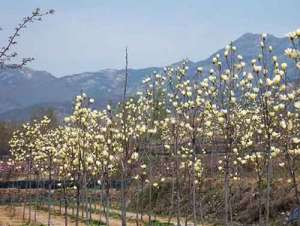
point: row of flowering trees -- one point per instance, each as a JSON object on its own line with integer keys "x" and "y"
{"x": 162, "y": 136}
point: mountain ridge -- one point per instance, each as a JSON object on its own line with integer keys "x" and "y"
{"x": 22, "y": 88}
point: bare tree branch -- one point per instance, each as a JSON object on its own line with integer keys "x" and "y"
{"x": 5, "y": 51}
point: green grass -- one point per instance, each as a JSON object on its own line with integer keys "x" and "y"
{"x": 157, "y": 223}
{"x": 96, "y": 223}
{"x": 32, "y": 224}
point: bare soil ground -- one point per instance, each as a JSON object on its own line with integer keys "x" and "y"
{"x": 13, "y": 217}
{"x": 131, "y": 218}
{"x": 10, "y": 217}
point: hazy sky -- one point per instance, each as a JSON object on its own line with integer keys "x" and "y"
{"x": 89, "y": 35}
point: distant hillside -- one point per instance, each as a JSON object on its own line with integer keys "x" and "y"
{"x": 22, "y": 90}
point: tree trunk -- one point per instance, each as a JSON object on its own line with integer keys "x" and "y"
{"x": 226, "y": 191}
{"x": 65, "y": 203}
{"x": 123, "y": 196}
{"x": 269, "y": 178}
{"x": 49, "y": 196}
{"x": 77, "y": 205}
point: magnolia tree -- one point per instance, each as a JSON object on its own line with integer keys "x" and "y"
{"x": 294, "y": 52}
{"x": 161, "y": 137}
{"x": 25, "y": 150}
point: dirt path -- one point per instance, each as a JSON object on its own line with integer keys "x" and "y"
{"x": 8, "y": 218}
{"x": 131, "y": 218}
{"x": 94, "y": 216}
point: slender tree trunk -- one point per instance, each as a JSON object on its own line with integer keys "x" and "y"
{"x": 269, "y": 180}
{"x": 260, "y": 199}
{"x": 77, "y": 205}
{"x": 65, "y": 203}
{"x": 230, "y": 204}
{"x": 124, "y": 167}
{"x": 73, "y": 206}
{"x": 108, "y": 198}
{"x": 177, "y": 184}
{"x": 201, "y": 212}
{"x": 193, "y": 179}
{"x": 226, "y": 190}
{"x": 25, "y": 197}
{"x": 171, "y": 210}
{"x": 228, "y": 150}
{"x": 30, "y": 195}
{"x": 142, "y": 206}
{"x": 150, "y": 194}
{"x": 85, "y": 194}
{"x": 101, "y": 200}
{"x": 60, "y": 206}
{"x": 37, "y": 197}
{"x": 49, "y": 194}
{"x": 104, "y": 187}
{"x": 90, "y": 209}
{"x": 137, "y": 206}
{"x": 82, "y": 204}
{"x": 123, "y": 196}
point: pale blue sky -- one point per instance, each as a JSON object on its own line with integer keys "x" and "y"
{"x": 89, "y": 35}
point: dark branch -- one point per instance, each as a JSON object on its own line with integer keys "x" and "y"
{"x": 5, "y": 54}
